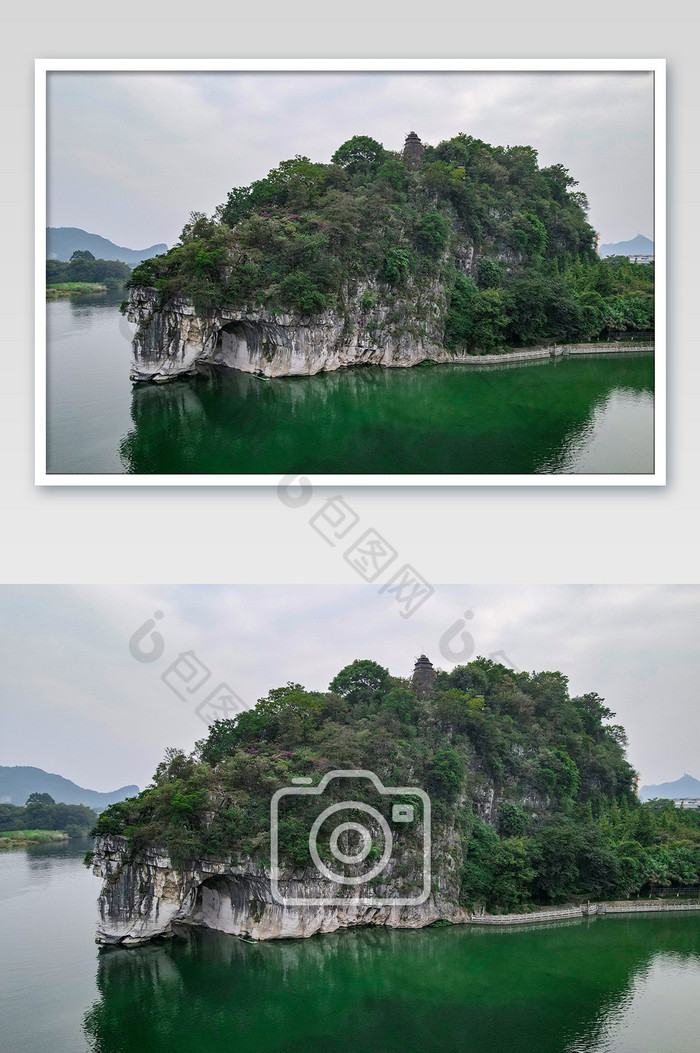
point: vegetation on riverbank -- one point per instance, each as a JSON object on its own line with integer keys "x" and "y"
{"x": 41, "y": 814}
{"x": 505, "y": 244}
{"x": 564, "y": 821}
{"x": 22, "y": 838}
{"x": 84, "y": 274}
{"x": 73, "y": 288}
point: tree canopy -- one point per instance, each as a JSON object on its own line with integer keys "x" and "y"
{"x": 504, "y": 245}
{"x": 83, "y": 267}
{"x": 565, "y": 819}
{"x": 360, "y": 154}
{"x": 41, "y": 812}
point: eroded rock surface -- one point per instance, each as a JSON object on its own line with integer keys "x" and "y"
{"x": 175, "y": 341}
{"x": 147, "y": 897}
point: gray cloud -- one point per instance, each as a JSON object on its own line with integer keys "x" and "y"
{"x": 76, "y": 702}
{"x": 131, "y": 154}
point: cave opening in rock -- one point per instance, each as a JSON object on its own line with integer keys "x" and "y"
{"x": 229, "y": 902}
{"x": 216, "y": 896}
{"x": 244, "y": 342}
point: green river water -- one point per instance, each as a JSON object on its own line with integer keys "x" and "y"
{"x": 584, "y": 415}
{"x": 615, "y": 984}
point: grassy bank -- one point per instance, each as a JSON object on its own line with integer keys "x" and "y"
{"x": 73, "y": 288}
{"x": 21, "y": 838}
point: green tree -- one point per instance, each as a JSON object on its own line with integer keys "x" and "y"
{"x": 397, "y": 266}
{"x": 513, "y": 820}
{"x": 362, "y": 681}
{"x": 526, "y": 234}
{"x": 432, "y": 235}
{"x": 490, "y": 273}
{"x": 443, "y": 775}
{"x": 308, "y": 235}
{"x": 567, "y": 822}
{"x": 358, "y": 155}
{"x": 476, "y": 319}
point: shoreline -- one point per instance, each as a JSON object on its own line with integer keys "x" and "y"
{"x": 525, "y": 354}
{"x": 585, "y": 910}
{"x": 25, "y": 838}
{"x": 555, "y": 351}
{"x": 55, "y": 292}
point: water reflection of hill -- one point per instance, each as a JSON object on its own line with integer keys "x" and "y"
{"x": 555, "y": 989}
{"x": 534, "y": 416}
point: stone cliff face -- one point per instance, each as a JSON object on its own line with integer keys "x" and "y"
{"x": 175, "y": 341}
{"x": 149, "y": 896}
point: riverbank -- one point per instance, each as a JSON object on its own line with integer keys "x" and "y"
{"x": 73, "y": 289}
{"x": 585, "y": 910}
{"x": 555, "y": 351}
{"x": 22, "y": 838}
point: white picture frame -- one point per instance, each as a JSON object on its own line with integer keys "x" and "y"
{"x": 43, "y": 67}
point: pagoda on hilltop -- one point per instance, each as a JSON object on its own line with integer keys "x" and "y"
{"x": 412, "y": 150}
{"x": 423, "y": 680}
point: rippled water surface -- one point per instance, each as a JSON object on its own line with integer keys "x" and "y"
{"x": 599, "y": 985}
{"x": 588, "y": 415}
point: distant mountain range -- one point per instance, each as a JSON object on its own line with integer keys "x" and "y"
{"x": 639, "y": 246}
{"x": 16, "y": 784}
{"x": 686, "y": 786}
{"x": 61, "y": 243}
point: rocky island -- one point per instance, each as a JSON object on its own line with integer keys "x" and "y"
{"x": 525, "y": 791}
{"x": 385, "y": 258}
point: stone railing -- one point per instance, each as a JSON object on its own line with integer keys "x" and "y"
{"x": 635, "y": 907}
{"x": 555, "y": 351}
{"x": 583, "y": 911}
{"x": 603, "y": 349}
{"x": 524, "y": 919}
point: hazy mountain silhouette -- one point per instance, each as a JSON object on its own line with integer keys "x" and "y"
{"x": 686, "y": 786}
{"x": 638, "y": 246}
{"x": 61, "y": 243}
{"x": 16, "y": 784}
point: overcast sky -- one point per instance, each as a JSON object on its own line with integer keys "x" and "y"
{"x": 132, "y": 154}
{"x": 75, "y": 701}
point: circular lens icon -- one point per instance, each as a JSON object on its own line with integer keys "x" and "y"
{"x": 365, "y": 843}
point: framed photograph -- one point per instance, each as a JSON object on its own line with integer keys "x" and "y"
{"x": 412, "y": 836}
{"x": 357, "y": 272}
